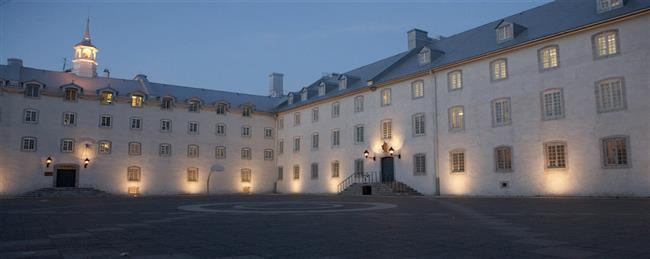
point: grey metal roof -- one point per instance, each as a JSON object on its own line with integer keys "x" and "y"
{"x": 545, "y": 20}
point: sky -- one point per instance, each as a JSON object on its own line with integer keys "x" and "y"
{"x": 232, "y": 45}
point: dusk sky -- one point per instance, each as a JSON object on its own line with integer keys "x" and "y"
{"x": 232, "y": 45}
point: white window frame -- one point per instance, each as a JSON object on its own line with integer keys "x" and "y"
{"x": 503, "y": 159}
{"x": 133, "y": 120}
{"x": 165, "y": 150}
{"x": 359, "y": 134}
{"x": 220, "y": 132}
{"x": 67, "y": 145}
{"x": 30, "y": 116}
{"x": 193, "y": 127}
{"x": 617, "y": 163}
{"x": 314, "y": 171}
{"x": 296, "y": 144}
{"x": 32, "y": 90}
{"x": 71, "y": 94}
{"x": 557, "y": 109}
{"x": 548, "y": 57}
{"x": 499, "y": 69}
{"x": 192, "y": 174}
{"x": 281, "y": 146}
{"x": 28, "y": 144}
{"x": 246, "y": 131}
{"x": 268, "y": 154}
{"x": 606, "y": 44}
{"x": 107, "y": 97}
{"x": 457, "y": 161}
{"x": 419, "y": 164}
{"x": 135, "y": 148}
{"x": 385, "y": 97}
{"x": 133, "y": 174}
{"x": 246, "y": 175}
{"x": 501, "y": 112}
{"x": 165, "y": 128}
{"x": 268, "y": 133}
{"x": 69, "y": 119}
{"x": 455, "y": 80}
{"x": 105, "y": 121}
{"x": 336, "y": 138}
{"x": 608, "y": 5}
{"x": 102, "y": 149}
{"x": 194, "y": 106}
{"x": 193, "y": 151}
{"x": 359, "y": 167}
{"x": 386, "y": 129}
{"x": 246, "y": 153}
{"x": 417, "y": 89}
{"x": 418, "y": 124}
{"x": 137, "y": 101}
{"x": 457, "y": 118}
{"x": 314, "y": 114}
{"x": 335, "y": 169}
{"x": 315, "y": 141}
{"x": 556, "y": 155}
{"x": 220, "y": 152}
{"x": 167, "y": 103}
{"x": 358, "y": 103}
{"x": 605, "y": 91}
{"x": 336, "y": 109}
{"x": 505, "y": 32}
{"x": 296, "y": 119}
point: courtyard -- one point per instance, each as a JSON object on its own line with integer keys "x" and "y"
{"x": 281, "y": 226}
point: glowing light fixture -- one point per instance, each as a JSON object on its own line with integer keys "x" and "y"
{"x": 366, "y": 154}
{"x": 86, "y": 162}
{"x": 48, "y": 161}
{"x": 391, "y": 152}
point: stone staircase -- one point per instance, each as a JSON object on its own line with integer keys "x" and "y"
{"x": 381, "y": 189}
{"x": 65, "y": 192}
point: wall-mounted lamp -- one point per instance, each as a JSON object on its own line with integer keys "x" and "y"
{"x": 86, "y": 162}
{"x": 391, "y": 152}
{"x": 48, "y": 161}
{"x": 366, "y": 154}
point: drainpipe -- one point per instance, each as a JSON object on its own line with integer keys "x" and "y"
{"x": 435, "y": 134}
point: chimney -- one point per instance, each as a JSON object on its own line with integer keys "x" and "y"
{"x": 15, "y": 62}
{"x": 275, "y": 85}
{"x": 417, "y": 38}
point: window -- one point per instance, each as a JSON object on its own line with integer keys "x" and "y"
{"x": 456, "y": 118}
{"x": 501, "y": 112}
{"x": 32, "y": 90}
{"x": 503, "y": 159}
{"x": 296, "y": 119}
{"x": 385, "y": 97}
{"x": 556, "y": 155}
{"x": 607, "y": 5}
{"x": 296, "y": 172}
{"x": 336, "y": 109}
{"x": 221, "y": 129}
{"x": 610, "y": 95}
{"x": 220, "y": 152}
{"x": 552, "y": 104}
{"x": 314, "y": 115}
{"x": 193, "y": 127}
{"x": 281, "y": 123}
{"x": 194, "y": 106}
{"x": 386, "y": 129}
{"x": 424, "y": 57}
{"x": 135, "y": 149}
{"x": 343, "y": 83}
{"x": 246, "y": 153}
{"x": 290, "y": 99}
{"x": 417, "y": 89}
{"x": 106, "y": 97}
{"x": 280, "y": 173}
{"x": 314, "y": 171}
{"x": 455, "y": 80}
{"x": 165, "y": 126}
{"x": 70, "y": 94}
{"x": 268, "y": 133}
{"x": 336, "y": 138}
{"x": 268, "y": 154}
{"x": 296, "y": 144}
{"x": 165, "y": 150}
{"x": 303, "y": 95}
{"x": 605, "y": 44}
{"x": 246, "y": 131}
{"x": 358, "y": 166}
{"x": 192, "y": 174}
{"x": 321, "y": 90}
{"x": 457, "y": 161}
{"x": 504, "y": 32}
{"x": 499, "y": 69}
{"x": 167, "y": 103}
{"x": 69, "y": 119}
{"x": 67, "y": 145}
{"x": 222, "y": 108}
{"x": 419, "y": 164}
{"x": 335, "y": 169}
{"x": 616, "y": 152}
{"x": 314, "y": 141}
{"x": 104, "y": 147}
{"x": 358, "y": 134}
{"x": 28, "y": 144}
{"x": 418, "y": 124}
{"x": 133, "y": 174}
{"x": 137, "y": 101}
{"x": 548, "y": 57}
{"x": 192, "y": 151}
{"x": 105, "y": 121}
{"x": 281, "y": 146}
{"x": 247, "y": 111}
{"x": 30, "y": 116}
{"x": 136, "y": 123}
{"x": 358, "y": 104}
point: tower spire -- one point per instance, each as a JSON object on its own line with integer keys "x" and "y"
{"x": 87, "y": 31}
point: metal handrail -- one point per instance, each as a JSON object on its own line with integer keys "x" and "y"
{"x": 371, "y": 177}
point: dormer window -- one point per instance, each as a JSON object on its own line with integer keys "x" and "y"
{"x": 70, "y": 94}
{"x": 137, "y": 100}
{"x": 32, "y": 90}
{"x": 222, "y": 108}
{"x": 290, "y": 100}
{"x": 106, "y": 97}
{"x": 321, "y": 89}
{"x": 167, "y": 103}
{"x": 504, "y": 32}
{"x": 193, "y": 106}
{"x": 343, "y": 83}
{"x": 247, "y": 111}
{"x": 424, "y": 56}
{"x": 608, "y": 5}
{"x": 303, "y": 95}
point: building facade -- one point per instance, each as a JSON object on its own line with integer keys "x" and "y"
{"x": 550, "y": 101}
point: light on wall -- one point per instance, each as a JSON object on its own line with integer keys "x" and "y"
{"x": 48, "y": 161}
{"x": 391, "y": 152}
{"x": 86, "y": 162}
{"x": 366, "y": 154}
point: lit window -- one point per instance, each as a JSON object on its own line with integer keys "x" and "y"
{"x": 455, "y": 80}
{"x": 167, "y": 103}
{"x": 268, "y": 133}
{"x": 358, "y": 134}
{"x": 133, "y": 174}
{"x": 457, "y": 161}
{"x": 105, "y": 121}
{"x": 194, "y": 106}
{"x": 69, "y": 119}
{"x": 556, "y": 155}
{"x": 336, "y": 109}
{"x": 456, "y": 118}
{"x": 386, "y": 129}
{"x": 296, "y": 119}
{"x": 193, "y": 127}
{"x": 28, "y": 144}
{"x": 504, "y": 32}
{"x": 268, "y": 154}
{"x": 607, "y": 5}
{"x": 222, "y": 108}
{"x": 336, "y": 138}
{"x": 615, "y": 152}
{"x": 335, "y": 169}
{"x": 314, "y": 114}
{"x": 605, "y": 44}
{"x": 314, "y": 171}
{"x": 136, "y": 123}
{"x": 552, "y": 104}
{"x": 165, "y": 150}
{"x": 358, "y": 104}
{"x": 503, "y": 159}
{"x": 501, "y": 112}
{"x": 135, "y": 149}
{"x": 548, "y": 57}
{"x": 104, "y": 147}
{"x": 220, "y": 129}
{"x": 165, "y": 126}
{"x": 70, "y": 94}
{"x": 385, "y": 97}
{"x": 358, "y": 167}
{"x": 32, "y": 90}
{"x": 280, "y": 173}
{"x": 247, "y": 111}
{"x": 220, "y": 152}
{"x": 245, "y": 131}
{"x": 136, "y": 101}
{"x": 30, "y": 116}
{"x": 610, "y": 95}
{"x": 67, "y": 145}
{"x": 296, "y": 144}
{"x": 499, "y": 69}
{"x": 281, "y": 146}
{"x": 192, "y": 174}
{"x": 419, "y": 164}
{"x": 192, "y": 151}
{"x": 106, "y": 97}
{"x": 417, "y": 89}
{"x": 246, "y": 153}
{"x": 314, "y": 141}
{"x": 418, "y": 124}
{"x": 296, "y": 172}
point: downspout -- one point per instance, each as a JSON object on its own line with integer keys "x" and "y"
{"x": 435, "y": 134}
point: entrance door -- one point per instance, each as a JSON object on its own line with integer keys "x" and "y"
{"x": 387, "y": 169}
{"x": 66, "y": 177}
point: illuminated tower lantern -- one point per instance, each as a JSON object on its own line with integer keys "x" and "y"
{"x": 85, "y": 56}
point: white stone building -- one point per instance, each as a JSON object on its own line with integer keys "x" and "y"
{"x": 550, "y": 101}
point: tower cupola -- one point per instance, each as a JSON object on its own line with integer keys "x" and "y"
{"x": 84, "y": 62}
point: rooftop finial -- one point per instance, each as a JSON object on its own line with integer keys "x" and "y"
{"x": 87, "y": 31}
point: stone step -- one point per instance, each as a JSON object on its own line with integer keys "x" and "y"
{"x": 381, "y": 189}
{"x": 65, "y": 192}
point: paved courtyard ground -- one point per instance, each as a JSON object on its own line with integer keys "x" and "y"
{"x": 279, "y": 226}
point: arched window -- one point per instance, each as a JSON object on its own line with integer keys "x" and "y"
{"x": 167, "y": 103}
{"x": 137, "y": 100}
{"x": 247, "y": 111}
{"x": 32, "y": 90}
{"x": 106, "y": 97}
{"x": 222, "y": 108}
{"x": 193, "y": 105}
{"x": 70, "y": 94}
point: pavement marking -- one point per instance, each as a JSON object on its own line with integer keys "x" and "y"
{"x": 566, "y": 252}
{"x": 71, "y": 235}
{"x": 104, "y": 229}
